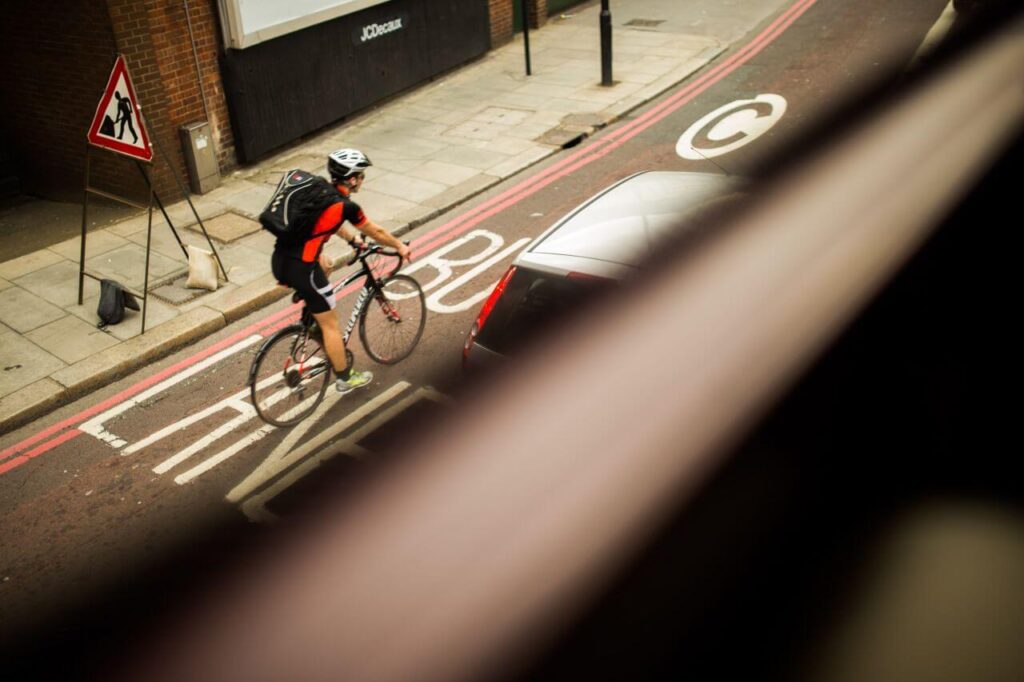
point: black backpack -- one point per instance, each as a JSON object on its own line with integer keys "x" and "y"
{"x": 298, "y": 201}
{"x": 113, "y": 300}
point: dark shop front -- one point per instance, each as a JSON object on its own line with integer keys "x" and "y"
{"x": 291, "y": 68}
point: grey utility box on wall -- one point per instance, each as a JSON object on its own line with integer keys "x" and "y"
{"x": 197, "y": 143}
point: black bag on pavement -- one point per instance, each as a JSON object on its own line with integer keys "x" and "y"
{"x": 298, "y": 201}
{"x": 113, "y": 300}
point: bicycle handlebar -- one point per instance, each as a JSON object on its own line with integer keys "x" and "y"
{"x": 361, "y": 254}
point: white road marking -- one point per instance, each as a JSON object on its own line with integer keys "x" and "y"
{"x": 434, "y": 300}
{"x": 493, "y": 251}
{"x": 284, "y": 457}
{"x": 234, "y": 402}
{"x": 444, "y": 266}
{"x": 293, "y": 436}
{"x": 94, "y": 427}
{"x": 730, "y": 127}
{"x": 254, "y": 505}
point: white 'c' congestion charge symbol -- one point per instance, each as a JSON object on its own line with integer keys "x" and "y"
{"x": 730, "y": 127}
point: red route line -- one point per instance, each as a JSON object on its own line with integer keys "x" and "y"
{"x": 21, "y": 459}
{"x": 671, "y": 104}
{"x": 453, "y": 228}
{"x": 146, "y": 383}
{"x": 619, "y": 137}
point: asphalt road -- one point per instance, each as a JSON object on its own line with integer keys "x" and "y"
{"x": 167, "y": 483}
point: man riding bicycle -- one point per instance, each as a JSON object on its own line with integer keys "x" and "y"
{"x": 304, "y": 267}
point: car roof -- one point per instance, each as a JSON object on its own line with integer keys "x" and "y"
{"x": 614, "y": 231}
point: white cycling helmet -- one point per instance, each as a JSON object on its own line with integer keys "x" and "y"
{"x": 346, "y": 162}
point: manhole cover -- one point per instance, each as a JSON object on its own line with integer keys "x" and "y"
{"x": 227, "y": 227}
{"x": 645, "y": 23}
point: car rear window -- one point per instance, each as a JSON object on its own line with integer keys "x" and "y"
{"x": 533, "y": 302}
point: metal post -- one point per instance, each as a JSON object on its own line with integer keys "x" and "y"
{"x": 526, "y": 34}
{"x": 149, "y": 245}
{"x": 85, "y": 224}
{"x": 606, "y": 44}
{"x": 160, "y": 204}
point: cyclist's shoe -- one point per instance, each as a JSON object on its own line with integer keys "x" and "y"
{"x": 355, "y": 380}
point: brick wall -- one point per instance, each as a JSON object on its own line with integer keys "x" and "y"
{"x": 155, "y": 39}
{"x": 501, "y": 21}
{"x": 57, "y": 57}
{"x": 189, "y": 98}
{"x": 537, "y": 11}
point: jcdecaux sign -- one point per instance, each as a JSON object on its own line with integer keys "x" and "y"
{"x": 368, "y": 32}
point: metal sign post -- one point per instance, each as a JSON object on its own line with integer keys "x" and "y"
{"x": 105, "y": 134}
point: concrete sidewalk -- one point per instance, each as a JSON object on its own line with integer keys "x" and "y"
{"x": 432, "y": 149}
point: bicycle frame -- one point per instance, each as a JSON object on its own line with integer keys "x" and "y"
{"x": 372, "y": 283}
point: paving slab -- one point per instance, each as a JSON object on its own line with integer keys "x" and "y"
{"x": 247, "y": 298}
{"x": 23, "y": 362}
{"x": 71, "y": 339}
{"x": 58, "y": 284}
{"x": 463, "y": 191}
{"x": 228, "y": 227}
{"x": 163, "y": 241}
{"x": 406, "y": 187}
{"x": 18, "y": 267}
{"x": 157, "y": 313}
{"x": 96, "y": 242}
{"x": 23, "y": 311}
{"x": 244, "y": 264}
{"x": 380, "y": 207}
{"x": 448, "y": 174}
{"x": 20, "y": 406}
{"x": 99, "y": 370}
{"x": 128, "y": 265}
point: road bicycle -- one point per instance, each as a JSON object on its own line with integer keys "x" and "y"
{"x": 291, "y": 371}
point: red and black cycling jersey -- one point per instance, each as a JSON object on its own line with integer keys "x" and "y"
{"x": 327, "y": 224}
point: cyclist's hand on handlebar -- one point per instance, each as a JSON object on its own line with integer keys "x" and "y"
{"x": 405, "y": 252}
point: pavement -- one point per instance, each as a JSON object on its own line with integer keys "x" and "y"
{"x": 432, "y": 148}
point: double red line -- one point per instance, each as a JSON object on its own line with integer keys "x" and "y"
{"x": 18, "y": 454}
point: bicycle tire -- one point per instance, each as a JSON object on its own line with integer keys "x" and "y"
{"x": 391, "y": 338}
{"x": 289, "y": 376}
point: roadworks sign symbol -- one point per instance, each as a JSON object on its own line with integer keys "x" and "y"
{"x": 118, "y": 124}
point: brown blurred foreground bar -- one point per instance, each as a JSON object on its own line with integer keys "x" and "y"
{"x": 489, "y": 538}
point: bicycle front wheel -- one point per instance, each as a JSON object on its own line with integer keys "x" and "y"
{"x": 289, "y": 376}
{"x": 393, "y": 321}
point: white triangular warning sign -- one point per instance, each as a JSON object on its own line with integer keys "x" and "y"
{"x": 117, "y": 124}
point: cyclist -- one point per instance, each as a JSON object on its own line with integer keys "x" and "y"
{"x": 304, "y": 266}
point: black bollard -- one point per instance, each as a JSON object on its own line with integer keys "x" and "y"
{"x": 606, "y": 44}
{"x": 526, "y": 34}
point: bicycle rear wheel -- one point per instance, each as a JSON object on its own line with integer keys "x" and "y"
{"x": 289, "y": 376}
{"x": 393, "y": 321}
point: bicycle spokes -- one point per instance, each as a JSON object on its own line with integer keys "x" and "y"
{"x": 291, "y": 376}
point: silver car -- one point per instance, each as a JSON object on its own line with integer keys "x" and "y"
{"x": 601, "y": 241}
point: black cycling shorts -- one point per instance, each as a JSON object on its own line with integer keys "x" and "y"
{"x": 308, "y": 279}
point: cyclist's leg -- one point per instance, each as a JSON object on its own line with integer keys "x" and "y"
{"x": 320, "y": 301}
{"x": 312, "y": 286}
{"x": 331, "y": 331}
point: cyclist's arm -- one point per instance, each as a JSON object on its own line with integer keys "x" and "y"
{"x": 382, "y": 236}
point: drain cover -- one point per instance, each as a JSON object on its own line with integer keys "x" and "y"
{"x": 645, "y": 23}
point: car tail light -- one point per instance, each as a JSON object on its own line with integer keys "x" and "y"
{"x": 481, "y": 319}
